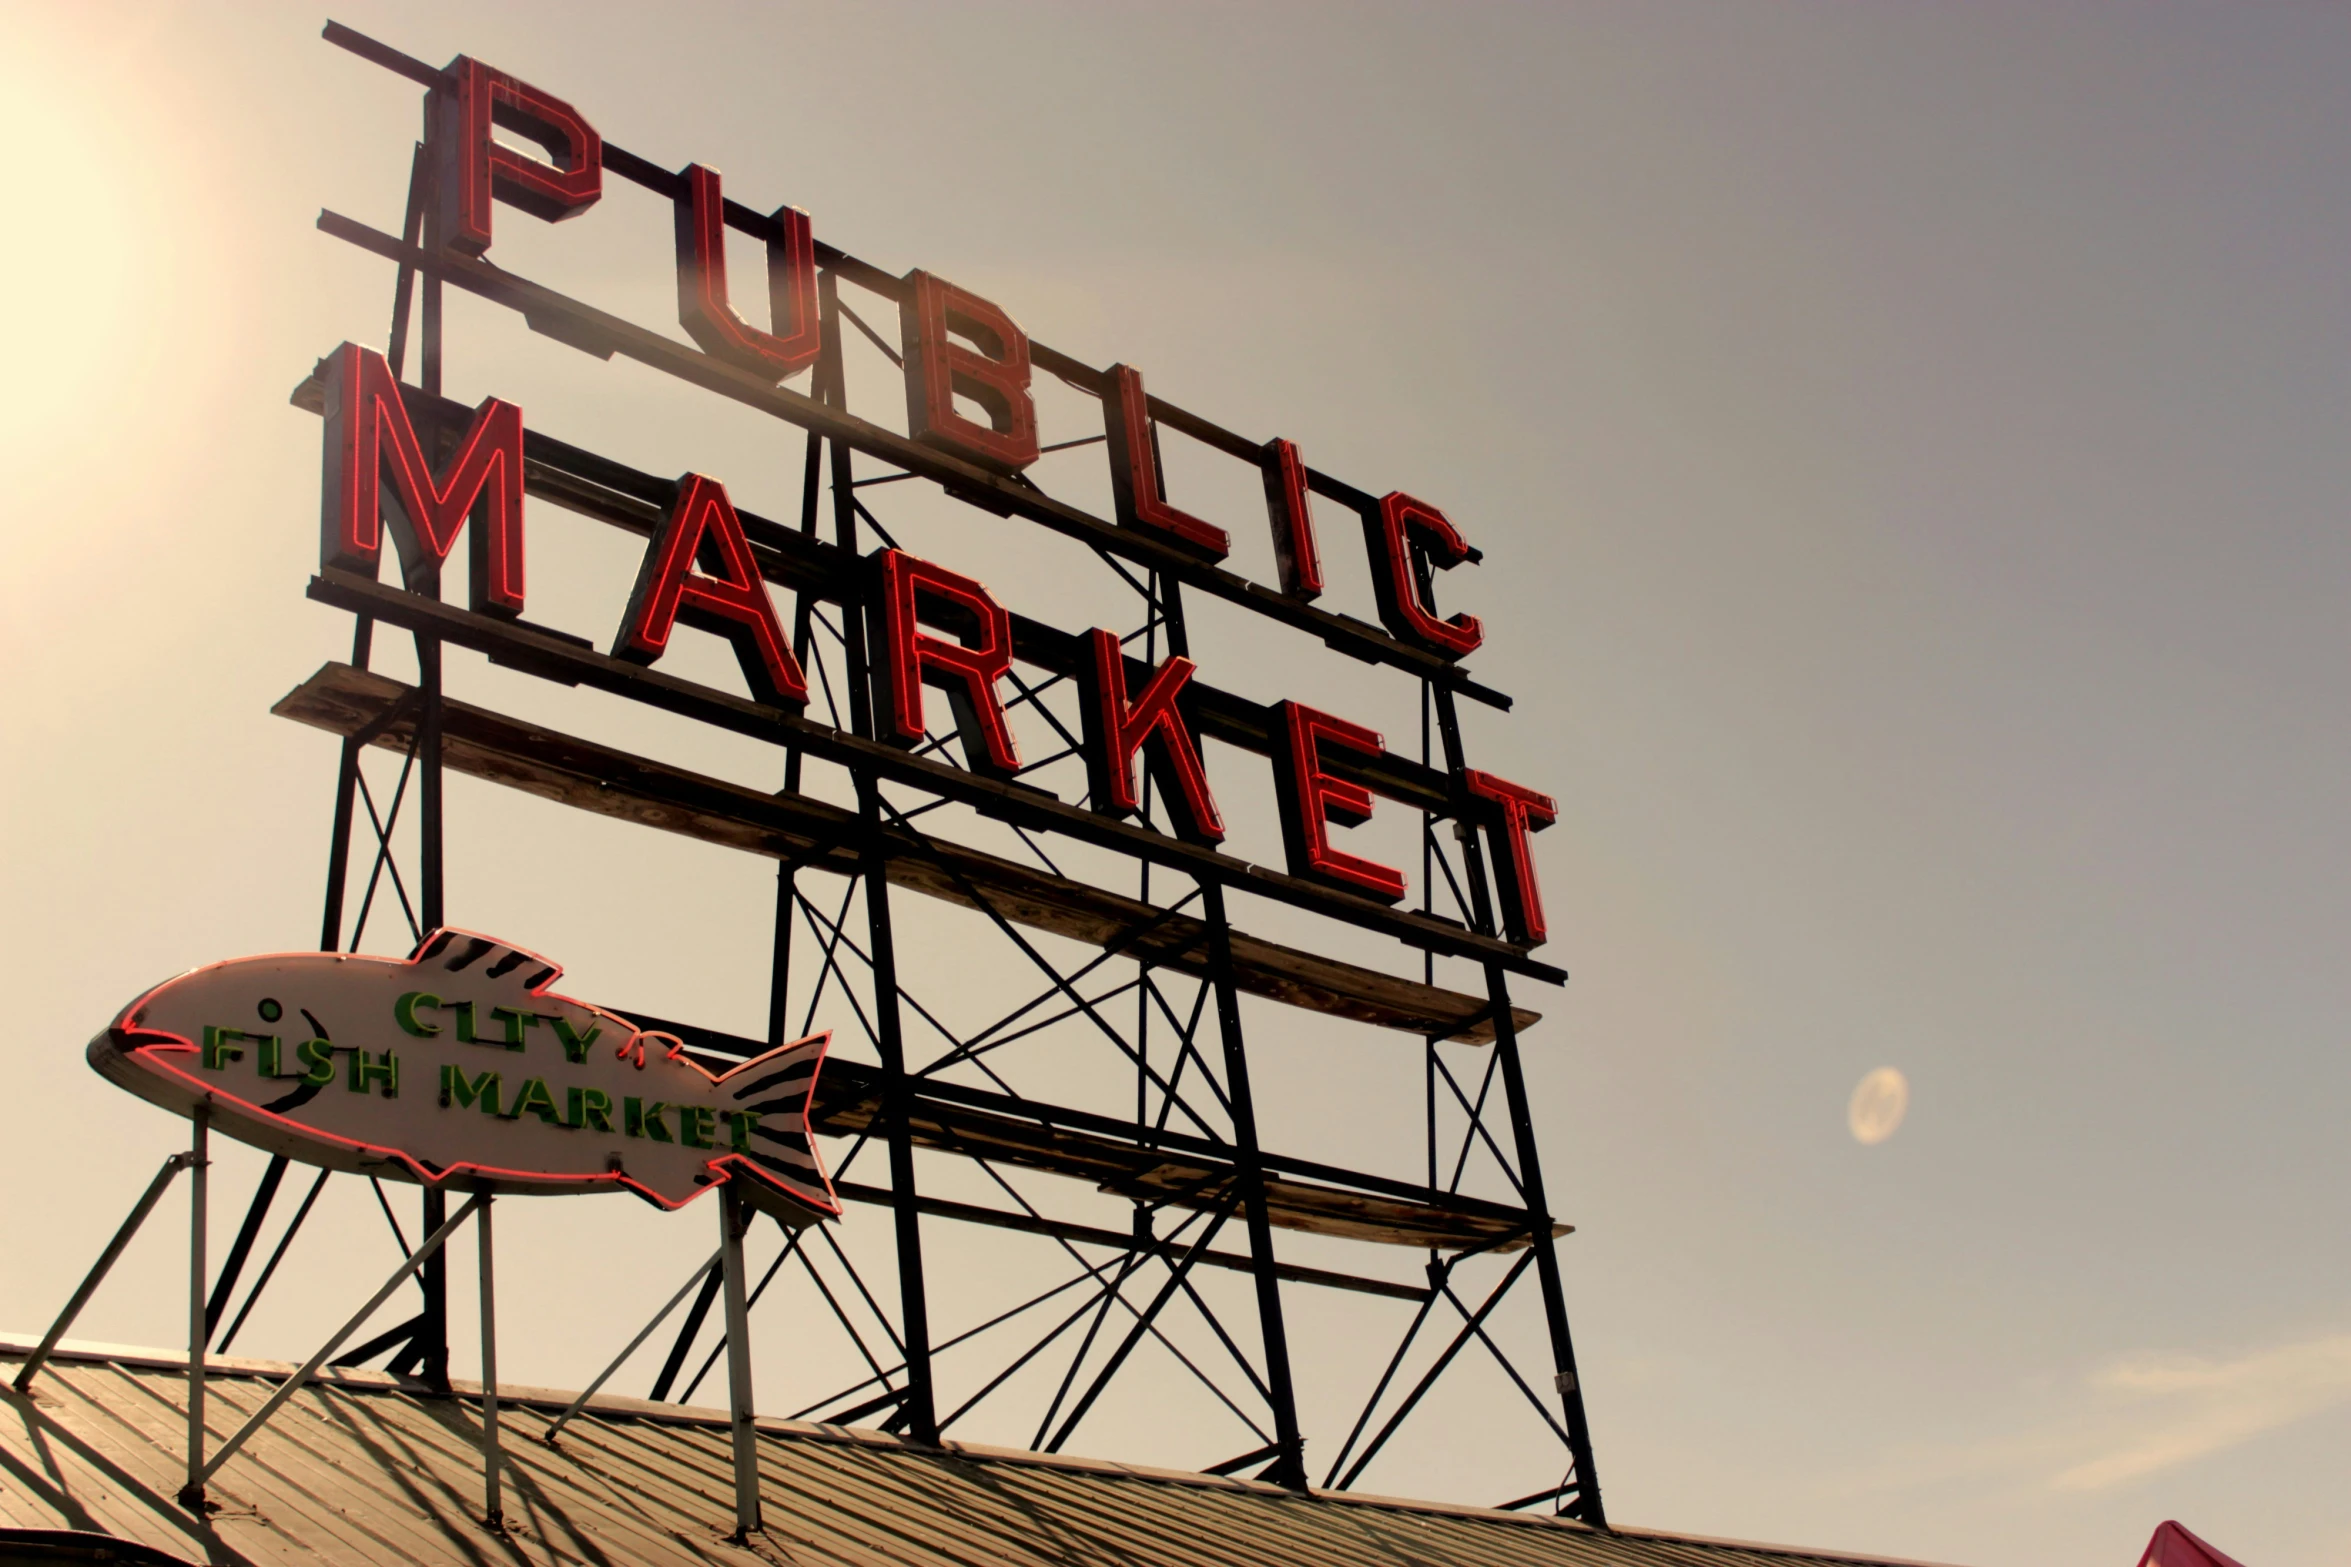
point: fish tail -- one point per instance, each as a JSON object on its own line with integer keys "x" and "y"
{"x": 774, "y": 1089}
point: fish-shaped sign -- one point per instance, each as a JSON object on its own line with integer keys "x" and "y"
{"x": 458, "y": 1066}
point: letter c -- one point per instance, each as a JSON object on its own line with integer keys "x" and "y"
{"x": 404, "y": 1013}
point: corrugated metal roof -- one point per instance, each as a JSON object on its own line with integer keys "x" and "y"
{"x": 361, "y": 1467}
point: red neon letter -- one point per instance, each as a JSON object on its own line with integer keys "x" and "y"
{"x": 702, "y": 284}
{"x": 1294, "y": 548}
{"x": 1135, "y": 485}
{"x": 1521, "y": 811}
{"x": 475, "y": 165}
{"x": 1116, "y": 729}
{"x": 995, "y": 375}
{"x": 966, "y": 670}
{"x": 725, "y": 596}
{"x": 1404, "y": 609}
{"x": 373, "y": 456}
{"x": 1311, "y": 799}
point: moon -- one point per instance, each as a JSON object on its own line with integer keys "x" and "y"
{"x": 1878, "y": 1105}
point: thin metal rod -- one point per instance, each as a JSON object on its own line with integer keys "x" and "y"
{"x": 1429, "y": 1377}
{"x": 1289, "y": 1469}
{"x": 293, "y": 1384}
{"x": 734, "y": 1218}
{"x": 1126, "y": 1347}
{"x": 1403, "y": 1346}
{"x": 688, "y": 1331}
{"x": 791, "y": 1249}
{"x": 401, "y": 1336}
{"x": 493, "y": 1507}
{"x": 199, "y": 1166}
{"x": 104, "y": 1265}
{"x": 276, "y": 1256}
{"x": 636, "y": 1343}
{"x": 242, "y": 1248}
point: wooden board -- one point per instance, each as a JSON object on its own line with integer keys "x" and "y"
{"x": 614, "y": 783}
{"x": 1174, "y": 1167}
{"x": 573, "y": 661}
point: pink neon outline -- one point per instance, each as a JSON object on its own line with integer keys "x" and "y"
{"x": 151, "y": 1045}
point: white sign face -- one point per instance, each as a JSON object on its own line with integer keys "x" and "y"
{"x": 457, "y": 1066}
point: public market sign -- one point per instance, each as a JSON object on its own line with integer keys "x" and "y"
{"x": 458, "y": 1066}
{"x": 966, "y": 366}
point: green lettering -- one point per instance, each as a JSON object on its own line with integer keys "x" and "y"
{"x": 218, "y": 1052}
{"x": 458, "y": 1094}
{"x": 514, "y": 1023}
{"x": 365, "y": 1068}
{"x": 694, "y": 1125}
{"x": 639, "y": 1119}
{"x": 590, "y": 1108}
{"x": 319, "y": 1057}
{"x": 739, "y": 1125}
{"x": 575, "y": 1045}
{"x": 404, "y": 1013}
{"x": 465, "y": 1033}
{"x": 535, "y": 1099}
{"x": 271, "y": 1060}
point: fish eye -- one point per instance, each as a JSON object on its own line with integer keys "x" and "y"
{"x": 270, "y": 1010}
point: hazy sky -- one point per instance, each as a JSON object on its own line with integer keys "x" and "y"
{"x": 1908, "y": 447}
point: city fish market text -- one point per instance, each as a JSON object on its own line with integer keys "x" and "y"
{"x": 458, "y": 1066}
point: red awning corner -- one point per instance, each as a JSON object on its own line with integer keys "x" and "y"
{"x": 2174, "y": 1546}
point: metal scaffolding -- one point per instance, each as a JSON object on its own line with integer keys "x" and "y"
{"x": 1162, "y": 992}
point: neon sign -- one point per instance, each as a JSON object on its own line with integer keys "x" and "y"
{"x": 458, "y": 1066}
{"x": 967, "y": 368}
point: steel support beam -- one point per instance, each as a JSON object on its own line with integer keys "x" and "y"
{"x": 309, "y": 1368}
{"x": 103, "y": 1266}
{"x": 734, "y": 1221}
{"x": 199, "y": 1182}
{"x": 1586, "y": 1505}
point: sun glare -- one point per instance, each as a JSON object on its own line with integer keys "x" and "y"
{"x": 105, "y": 271}
{"x": 81, "y": 236}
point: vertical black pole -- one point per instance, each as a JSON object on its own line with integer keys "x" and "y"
{"x": 1290, "y": 1468}
{"x": 1586, "y": 1505}
{"x": 920, "y": 1407}
{"x": 779, "y": 978}
{"x": 432, "y": 1334}
{"x": 330, "y": 938}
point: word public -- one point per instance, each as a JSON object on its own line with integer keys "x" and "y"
{"x": 934, "y": 627}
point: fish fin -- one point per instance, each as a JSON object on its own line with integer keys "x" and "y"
{"x": 470, "y": 952}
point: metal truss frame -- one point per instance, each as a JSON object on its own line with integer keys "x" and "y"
{"x": 1177, "y": 1024}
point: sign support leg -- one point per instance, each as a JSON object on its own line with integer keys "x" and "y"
{"x": 199, "y": 1170}
{"x": 734, "y": 1218}
{"x": 1586, "y": 1505}
{"x": 1289, "y": 1469}
{"x": 309, "y": 1368}
{"x": 920, "y": 1407}
{"x": 919, "y": 1410}
{"x": 103, "y": 1266}
{"x": 432, "y": 1335}
{"x": 431, "y": 1343}
{"x": 493, "y": 1508}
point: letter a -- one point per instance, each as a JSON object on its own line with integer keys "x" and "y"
{"x": 699, "y": 569}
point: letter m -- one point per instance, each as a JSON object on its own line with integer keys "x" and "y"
{"x": 377, "y": 471}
